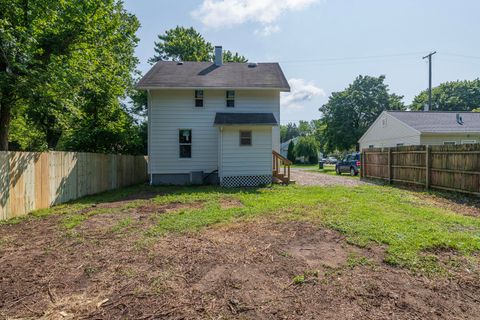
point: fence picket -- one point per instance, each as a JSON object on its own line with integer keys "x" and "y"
{"x": 33, "y": 180}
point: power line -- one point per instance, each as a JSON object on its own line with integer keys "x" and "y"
{"x": 460, "y": 55}
{"x": 354, "y": 58}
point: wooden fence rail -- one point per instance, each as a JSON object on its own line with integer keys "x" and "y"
{"x": 449, "y": 167}
{"x": 33, "y": 180}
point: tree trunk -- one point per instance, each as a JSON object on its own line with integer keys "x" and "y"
{"x": 5, "y": 117}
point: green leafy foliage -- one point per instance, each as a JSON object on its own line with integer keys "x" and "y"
{"x": 187, "y": 44}
{"x": 291, "y": 151}
{"x": 451, "y": 96}
{"x": 288, "y": 131}
{"x": 63, "y": 63}
{"x": 307, "y": 147}
{"x": 349, "y": 113}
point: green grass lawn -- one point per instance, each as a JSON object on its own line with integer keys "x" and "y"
{"x": 408, "y": 227}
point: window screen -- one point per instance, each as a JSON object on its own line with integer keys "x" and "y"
{"x": 199, "y": 98}
{"x": 230, "y": 98}
{"x": 245, "y": 138}
{"x": 185, "y": 143}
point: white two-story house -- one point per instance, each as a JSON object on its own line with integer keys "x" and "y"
{"x": 213, "y": 122}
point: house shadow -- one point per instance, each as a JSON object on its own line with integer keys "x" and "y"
{"x": 207, "y": 70}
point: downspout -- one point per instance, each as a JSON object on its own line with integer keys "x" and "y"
{"x": 220, "y": 157}
{"x": 149, "y": 127}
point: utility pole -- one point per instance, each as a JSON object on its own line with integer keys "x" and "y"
{"x": 429, "y": 56}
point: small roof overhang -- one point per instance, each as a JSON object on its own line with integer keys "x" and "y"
{"x": 232, "y": 119}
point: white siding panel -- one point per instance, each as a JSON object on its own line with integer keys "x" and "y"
{"x": 171, "y": 110}
{"x": 389, "y": 135}
{"x": 438, "y": 139}
{"x": 247, "y": 160}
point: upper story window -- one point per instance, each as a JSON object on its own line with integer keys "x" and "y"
{"x": 199, "y": 98}
{"x": 245, "y": 138}
{"x": 230, "y": 98}
{"x": 185, "y": 143}
{"x": 447, "y": 143}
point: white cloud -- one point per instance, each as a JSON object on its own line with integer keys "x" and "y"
{"x": 227, "y": 13}
{"x": 301, "y": 91}
{"x": 267, "y": 30}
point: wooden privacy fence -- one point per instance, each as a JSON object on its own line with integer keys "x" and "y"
{"x": 33, "y": 180}
{"x": 446, "y": 167}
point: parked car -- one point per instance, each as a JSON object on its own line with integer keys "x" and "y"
{"x": 350, "y": 164}
{"x": 331, "y": 160}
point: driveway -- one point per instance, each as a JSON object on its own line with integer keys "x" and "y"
{"x": 309, "y": 178}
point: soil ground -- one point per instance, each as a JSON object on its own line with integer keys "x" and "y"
{"x": 307, "y": 178}
{"x": 248, "y": 270}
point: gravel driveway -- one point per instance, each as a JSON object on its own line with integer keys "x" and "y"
{"x": 308, "y": 178}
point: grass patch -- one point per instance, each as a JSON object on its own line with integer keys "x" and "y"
{"x": 414, "y": 231}
{"x": 122, "y": 224}
{"x": 366, "y": 215}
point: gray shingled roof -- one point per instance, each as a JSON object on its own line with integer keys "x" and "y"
{"x": 245, "y": 118}
{"x": 170, "y": 74}
{"x": 439, "y": 122}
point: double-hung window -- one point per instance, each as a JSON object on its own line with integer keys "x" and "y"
{"x": 199, "y": 98}
{"x": 185, "y": 143}
{"x": 245, "y": 138}
{"x": 230, "y": 95}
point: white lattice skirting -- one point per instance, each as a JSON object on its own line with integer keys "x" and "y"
{"x": 246, "y": 181}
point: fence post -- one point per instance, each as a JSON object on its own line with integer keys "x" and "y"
{"x": 364, "y": 158}
{"x": 390, "y": 176}
{"x": 427, "y": 167}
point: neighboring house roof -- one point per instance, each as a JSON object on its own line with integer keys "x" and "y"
{"x": 198, "y": 75}
{"x": 439, "y": 122}
{"x": 285, "y": 144}
{"x": 245, "y": 118}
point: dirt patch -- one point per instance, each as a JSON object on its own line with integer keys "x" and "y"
{"x": 307, "y": 178}
{"x": 241, "y": 271}
{"x": 468, "y": 206}
{"x": 228, "y": 203}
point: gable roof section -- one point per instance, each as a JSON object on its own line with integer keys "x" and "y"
{"x": 198, "y": 75}
{"x": 439, "y": 122}
{"x": 245, "y": 119}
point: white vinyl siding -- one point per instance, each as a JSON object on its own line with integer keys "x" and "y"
{"x": 387, "y": 131}
{"x": 437, "y": 139}
{"x": 171, "y": 110}
{"x": 240, "y": 160}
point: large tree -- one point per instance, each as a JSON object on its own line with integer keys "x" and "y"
{"x": 62, "y": 62}
{"x": 180, "y": 44}
{"x": 187, "y": 44}
{"x": 451, "y": 96}
{"x": 349, "y": 113}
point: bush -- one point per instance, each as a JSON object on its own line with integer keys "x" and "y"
{"x": 307, "y": 147}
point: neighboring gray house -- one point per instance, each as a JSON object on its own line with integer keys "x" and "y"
{"x": 398, "y": 128}
{"x": 215, "y": 122}
{"x": 284, "y": 146}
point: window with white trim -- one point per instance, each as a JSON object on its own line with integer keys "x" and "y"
{"x": 399, "y": 144}
{"x": 245, "y": 138}
{"x": 371, "y": 146}
{"x": 199, "y": 98}
{"x": 449, "y": 143}
{"x": 230, "y": 98}
{"x": 185, "y": 143}
{"x": 469, "y": 141}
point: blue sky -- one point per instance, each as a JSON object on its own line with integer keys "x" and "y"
{"x": 322, "y": 45}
